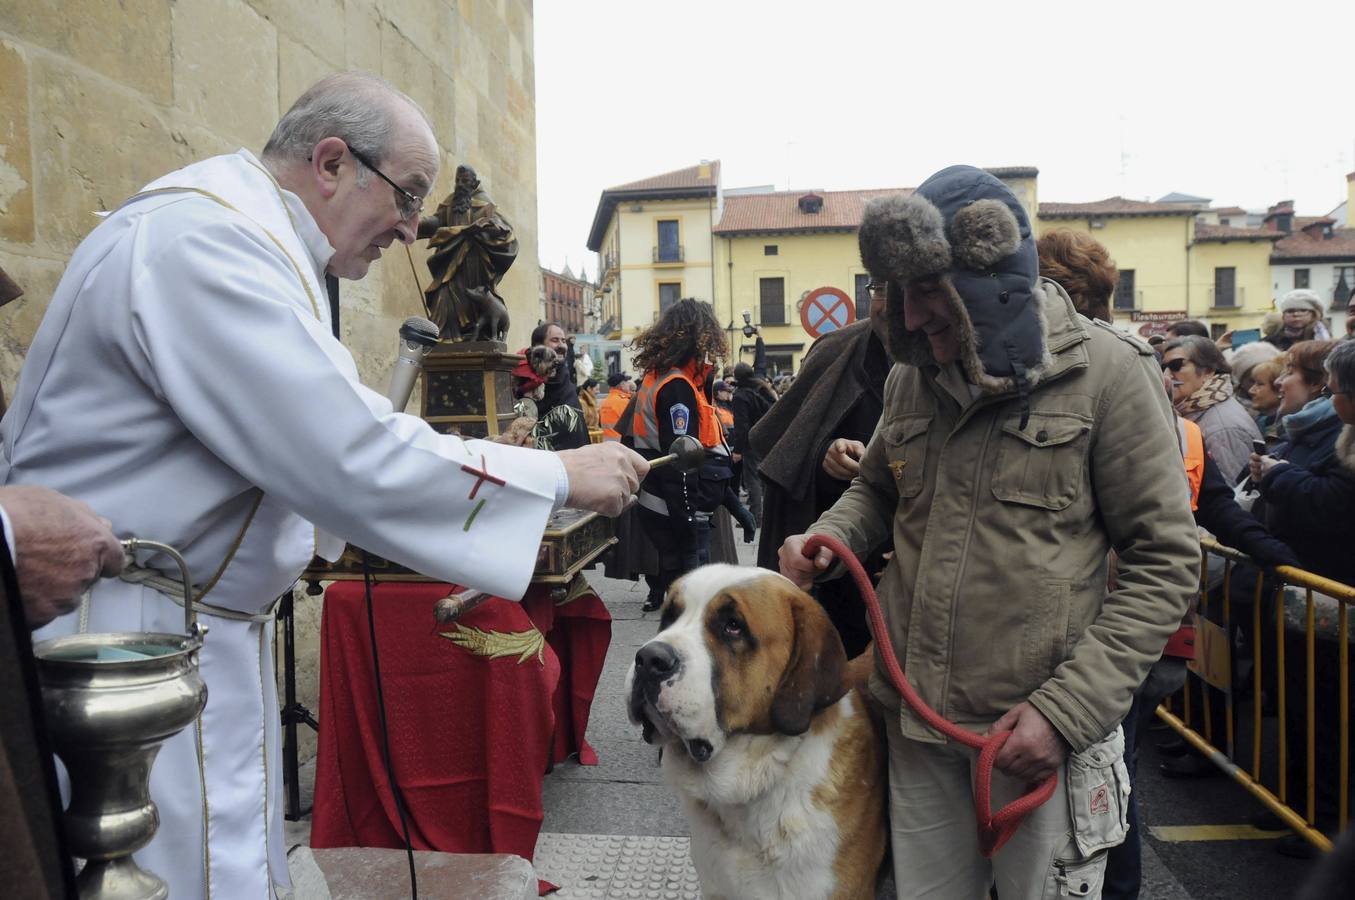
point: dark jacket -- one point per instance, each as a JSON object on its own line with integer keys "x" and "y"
{"x": 839, "y": 394}
{"x": 37, "y": 861}
{"x": 1308, "y": 504}
{"x": 753, "y": 396}
{"x": 1217, "y": 510}
{"x": 750, "y": 404}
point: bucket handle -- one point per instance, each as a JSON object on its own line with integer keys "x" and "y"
{"x": 190, "y": 620}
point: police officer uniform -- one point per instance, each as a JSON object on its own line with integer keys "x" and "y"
{"x": 675, "y": 506}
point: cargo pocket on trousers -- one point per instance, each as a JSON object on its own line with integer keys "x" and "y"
{"x": 1098, "y": 794}
{"x": 1076, "y": 878}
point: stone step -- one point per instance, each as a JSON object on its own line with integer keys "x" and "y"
{"x": 370, "y": 873}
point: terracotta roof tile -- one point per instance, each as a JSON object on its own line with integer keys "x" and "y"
{"x": 1341, "y": 245}
{"x": 1112, "y": 206}
{"x": 1230, "y": 233}
{"x": 1227, "y": 211}
{"x": 689, "y": 177}
{"x": 779, "y": 211}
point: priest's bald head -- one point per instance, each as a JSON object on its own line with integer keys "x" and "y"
{"x": 361, "y": 155}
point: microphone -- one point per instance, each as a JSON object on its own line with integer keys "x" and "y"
{"x": 417, "y": 337}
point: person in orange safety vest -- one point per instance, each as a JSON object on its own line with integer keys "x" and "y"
{"x": 620, "y": 388}
{"x": 724, "y": 396}
{"x": 674, "y": 399}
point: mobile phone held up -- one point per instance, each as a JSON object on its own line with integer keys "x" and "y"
{"x": 1244, "y": 336}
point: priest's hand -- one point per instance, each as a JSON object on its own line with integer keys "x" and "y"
{"x": 603, "y": 477}
{"x": 1034, "y": 751}
{"x": 61, "y": 548}
{"x": 843, "y": 459}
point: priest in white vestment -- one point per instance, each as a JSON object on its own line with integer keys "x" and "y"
{"x": 185, "y": 384}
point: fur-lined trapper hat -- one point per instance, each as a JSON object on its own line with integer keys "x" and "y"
{"x": 966, "y": 226}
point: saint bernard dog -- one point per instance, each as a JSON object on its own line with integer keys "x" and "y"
{"x": 778, "y": 761}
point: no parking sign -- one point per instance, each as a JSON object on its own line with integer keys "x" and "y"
{"x": 826, "y": 309}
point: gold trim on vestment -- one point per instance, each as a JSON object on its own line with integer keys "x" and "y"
{"x": 310, "y": 295}
{"x": 230, "y": 554}
{"x": 263, "y": 746}
{"x": 206, "y": 812}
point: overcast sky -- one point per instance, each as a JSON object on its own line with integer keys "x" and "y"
{"x": 1210, "y": 98}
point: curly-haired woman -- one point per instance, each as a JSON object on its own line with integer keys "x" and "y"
{"x": 677, "y": 355}
{"x": 1082, "y": 267}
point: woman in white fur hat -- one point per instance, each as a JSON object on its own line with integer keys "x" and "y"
{"x": 1302, "y": 310}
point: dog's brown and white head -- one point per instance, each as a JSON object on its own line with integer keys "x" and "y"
{"x": 739, "y": 651}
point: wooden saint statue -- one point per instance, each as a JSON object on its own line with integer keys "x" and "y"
{"x": 472, "y": 246}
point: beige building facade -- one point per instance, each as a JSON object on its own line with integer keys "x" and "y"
{"x": 654, "y": 243}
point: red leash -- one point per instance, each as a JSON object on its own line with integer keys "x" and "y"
{"x": 994, "y": 829}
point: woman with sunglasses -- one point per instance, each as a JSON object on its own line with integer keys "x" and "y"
{"x": 1202, "y": 391}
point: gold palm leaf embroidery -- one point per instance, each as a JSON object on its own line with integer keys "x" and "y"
{"x": 495, "y": 644}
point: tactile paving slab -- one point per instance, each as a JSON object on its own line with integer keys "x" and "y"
{"x": 617, "y": 867}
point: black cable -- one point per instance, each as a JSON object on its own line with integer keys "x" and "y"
{"x": 396, "y": 793}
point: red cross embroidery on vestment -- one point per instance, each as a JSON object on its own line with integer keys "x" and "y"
{"x": 481, "y": 476}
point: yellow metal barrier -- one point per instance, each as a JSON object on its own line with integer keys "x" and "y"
{"x": 1206, "y": 670}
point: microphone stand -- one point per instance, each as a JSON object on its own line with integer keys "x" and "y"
{"x": 293, "y": 712}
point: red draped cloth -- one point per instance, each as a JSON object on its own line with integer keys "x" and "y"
{"x": 476, "y": 710}
{"x": 579, "y": 630}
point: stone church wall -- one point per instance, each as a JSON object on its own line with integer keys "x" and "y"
{"x": 99, "y": 98}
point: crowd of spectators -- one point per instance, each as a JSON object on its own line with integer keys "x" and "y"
{"x": 1288, "y": 393}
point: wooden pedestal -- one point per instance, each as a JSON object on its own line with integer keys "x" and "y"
{"x": 468, "y": 388}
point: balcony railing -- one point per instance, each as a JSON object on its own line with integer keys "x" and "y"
{"x": 1226, "y": 299}
{"x": 668, "y": 254}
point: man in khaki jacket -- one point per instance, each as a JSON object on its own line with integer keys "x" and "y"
{"x": 1019, "y": 443}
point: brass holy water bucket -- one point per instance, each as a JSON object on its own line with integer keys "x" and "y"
{"x": 111, "y": 700}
